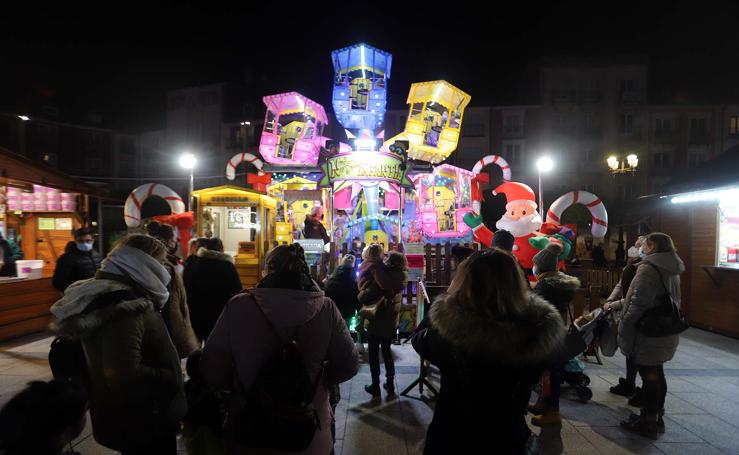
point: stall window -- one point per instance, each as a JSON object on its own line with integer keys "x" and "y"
{"x": 728, "y": 235}
{"x": 417, "y": 111}
{"x": 269, "y": 125}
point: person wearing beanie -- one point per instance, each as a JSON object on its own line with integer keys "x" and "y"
{"x": 559, "y": 290}
{"x": 503, "y": 239}
{"x": 341, "y": 287}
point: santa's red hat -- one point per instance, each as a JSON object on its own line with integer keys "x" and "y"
{"x": 516, "y": 192}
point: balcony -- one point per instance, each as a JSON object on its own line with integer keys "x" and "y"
{"x": 591, "y": 97}
{"x": 632, "y": 96}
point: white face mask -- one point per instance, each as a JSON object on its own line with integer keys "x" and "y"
{"x": 84, "y": 247}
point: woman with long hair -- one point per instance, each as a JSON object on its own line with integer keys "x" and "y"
{"x": 491, "y": 338}
{"x": 657, "y": 275}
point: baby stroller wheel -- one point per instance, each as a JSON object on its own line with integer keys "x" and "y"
{"x": 585, "y": 380}
{"x": 584, "y": 393}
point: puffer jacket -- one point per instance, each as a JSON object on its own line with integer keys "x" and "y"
{"x": 557, "y": 288}
{"x": 242, "y": 342}
{"x": 135, "y": 375}
{"x": 392, "y": 281}
{"x": 645, "y": 293}
{"x": 341, "y": 287}
{"x": 74, "y": 265}
{"x": 211, "y": 279}
{"x": 488, "y": 368}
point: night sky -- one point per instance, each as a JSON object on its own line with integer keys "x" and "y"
{"x": 119, "y": 62}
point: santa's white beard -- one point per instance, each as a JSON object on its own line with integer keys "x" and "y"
{"x": 524, "y": 226}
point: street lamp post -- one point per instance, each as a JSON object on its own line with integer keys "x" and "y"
{"x": 188, "y": 161}
{"x": 543, "y": 164}
{"x": 617, "y": 166}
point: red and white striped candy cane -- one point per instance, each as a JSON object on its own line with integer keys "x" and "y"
{"x": 589, "y": 200}
{"x": 240, "y": 158}
{"x": 132, "y": 209}
{"x": 490, "y": 159}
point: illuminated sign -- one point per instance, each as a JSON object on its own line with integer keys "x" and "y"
{"x": 370, "y": 166}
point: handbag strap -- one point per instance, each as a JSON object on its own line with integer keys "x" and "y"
{"x": 664, "y": 286}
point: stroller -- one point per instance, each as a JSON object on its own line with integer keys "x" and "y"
{"x": 581, "y": 333}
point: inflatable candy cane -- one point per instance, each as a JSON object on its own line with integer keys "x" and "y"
{"x": 476, "y": 191}
{"x": 589, "y": 200}
{"x": 240, "y": 158}
{"x": 132, "y": 209}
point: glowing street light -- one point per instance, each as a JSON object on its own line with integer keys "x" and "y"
{"x": 543, "y": 164}
{"x": 25, "y": 118}
{"x": 188, "y": 161}
{"x": 618, "y": 166}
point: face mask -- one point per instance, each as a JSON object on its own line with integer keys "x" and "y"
{"x": 642, "y": 253}
{"x": 84, "y": 247}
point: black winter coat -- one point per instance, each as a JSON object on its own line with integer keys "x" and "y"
{"x": 210, "y": 281}
{"x": 488, "y": 368}
{"x": 74, "y": 265}
{"x": 314, "y": 229}
{"x": 341, "y": 287}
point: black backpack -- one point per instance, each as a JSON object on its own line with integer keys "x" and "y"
{"x": 66, "y": 356}
{"x": 278, "y": 411}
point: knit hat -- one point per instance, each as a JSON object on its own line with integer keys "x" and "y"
{"x": 348, "y": 260}
{"x": 546, "y": 259}
{"x": 503, "y": 239}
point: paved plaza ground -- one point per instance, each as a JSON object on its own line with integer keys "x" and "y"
{"x": 702, "y": 410}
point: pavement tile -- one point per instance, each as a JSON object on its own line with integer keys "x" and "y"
{"x": 722, "y": 407}
{"x": 713, "y": 430}
{"x": 611, "y": 442}
{"x": 88, "y": 446}
{"x": 687, "y": 448}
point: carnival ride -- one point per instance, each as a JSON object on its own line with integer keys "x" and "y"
{"x": 368, "y": 186}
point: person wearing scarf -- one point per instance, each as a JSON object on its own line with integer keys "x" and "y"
{"x": 136, "y": 386}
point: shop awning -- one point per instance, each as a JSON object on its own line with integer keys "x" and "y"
{"x": 19, "y": 170}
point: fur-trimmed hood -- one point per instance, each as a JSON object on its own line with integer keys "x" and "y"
{"x": 530, "y": 338}
{"x": 214, "y": 255}
{"x": 560, "y": 280}
{"x": 74, "y": 317}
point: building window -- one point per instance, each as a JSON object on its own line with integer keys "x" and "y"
{"x": 734, "y": 126}
{"x": 512, "y": 123}
{"x": 626, "y": 124}
{"x": 473, "y": 130}
{"x": 662, "y": 160}
{"x": 698, "y": 131}
{"x": 94, "y": 164}
{"x": 695, "y": 158}
{"x": 589, "y": 188}
{"x": 512, "y": 154}
{"x": 662, "y": 127}
{"x": 627, "y": 85}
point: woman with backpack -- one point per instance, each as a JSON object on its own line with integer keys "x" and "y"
{"x": 491, "y": 338}
{"x": 284, "y": 331}
{"x": 657, "y": 278}
{"x": 136, "y": 387}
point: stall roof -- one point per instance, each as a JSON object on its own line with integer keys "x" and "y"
{"x": 226, "y": 189}
{"x": 18, "y": 168}
{"x": 721, "y": 171}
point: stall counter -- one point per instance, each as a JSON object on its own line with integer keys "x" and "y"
{"x": 24, "y": 306}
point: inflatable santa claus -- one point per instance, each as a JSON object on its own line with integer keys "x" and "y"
{"x": 520, "y": 219}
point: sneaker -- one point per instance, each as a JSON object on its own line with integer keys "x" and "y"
{"x": 548, "y": 419}
{"x": 635, "y": 400}
{"x": 623, "y": 388}
{"x": 641, "y": 427}
{"x": 373, "y": 389}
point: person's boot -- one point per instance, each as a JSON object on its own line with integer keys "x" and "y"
{"x": 624, "y": 388}
{"x": 373, "y": 389}
{"x": 389, "y": 386}
{"x": 550, "y": 418}
{"x": 635, "y": 400}
{"x": 642, "y": 426}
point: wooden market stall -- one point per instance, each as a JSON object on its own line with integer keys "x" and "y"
{"x": 701, "y": 213}
{"x": 244, "y": 220}
{"x": 40, "y": 231}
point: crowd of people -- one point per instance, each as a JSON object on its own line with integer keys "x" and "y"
{"x": 264, "y": 364}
